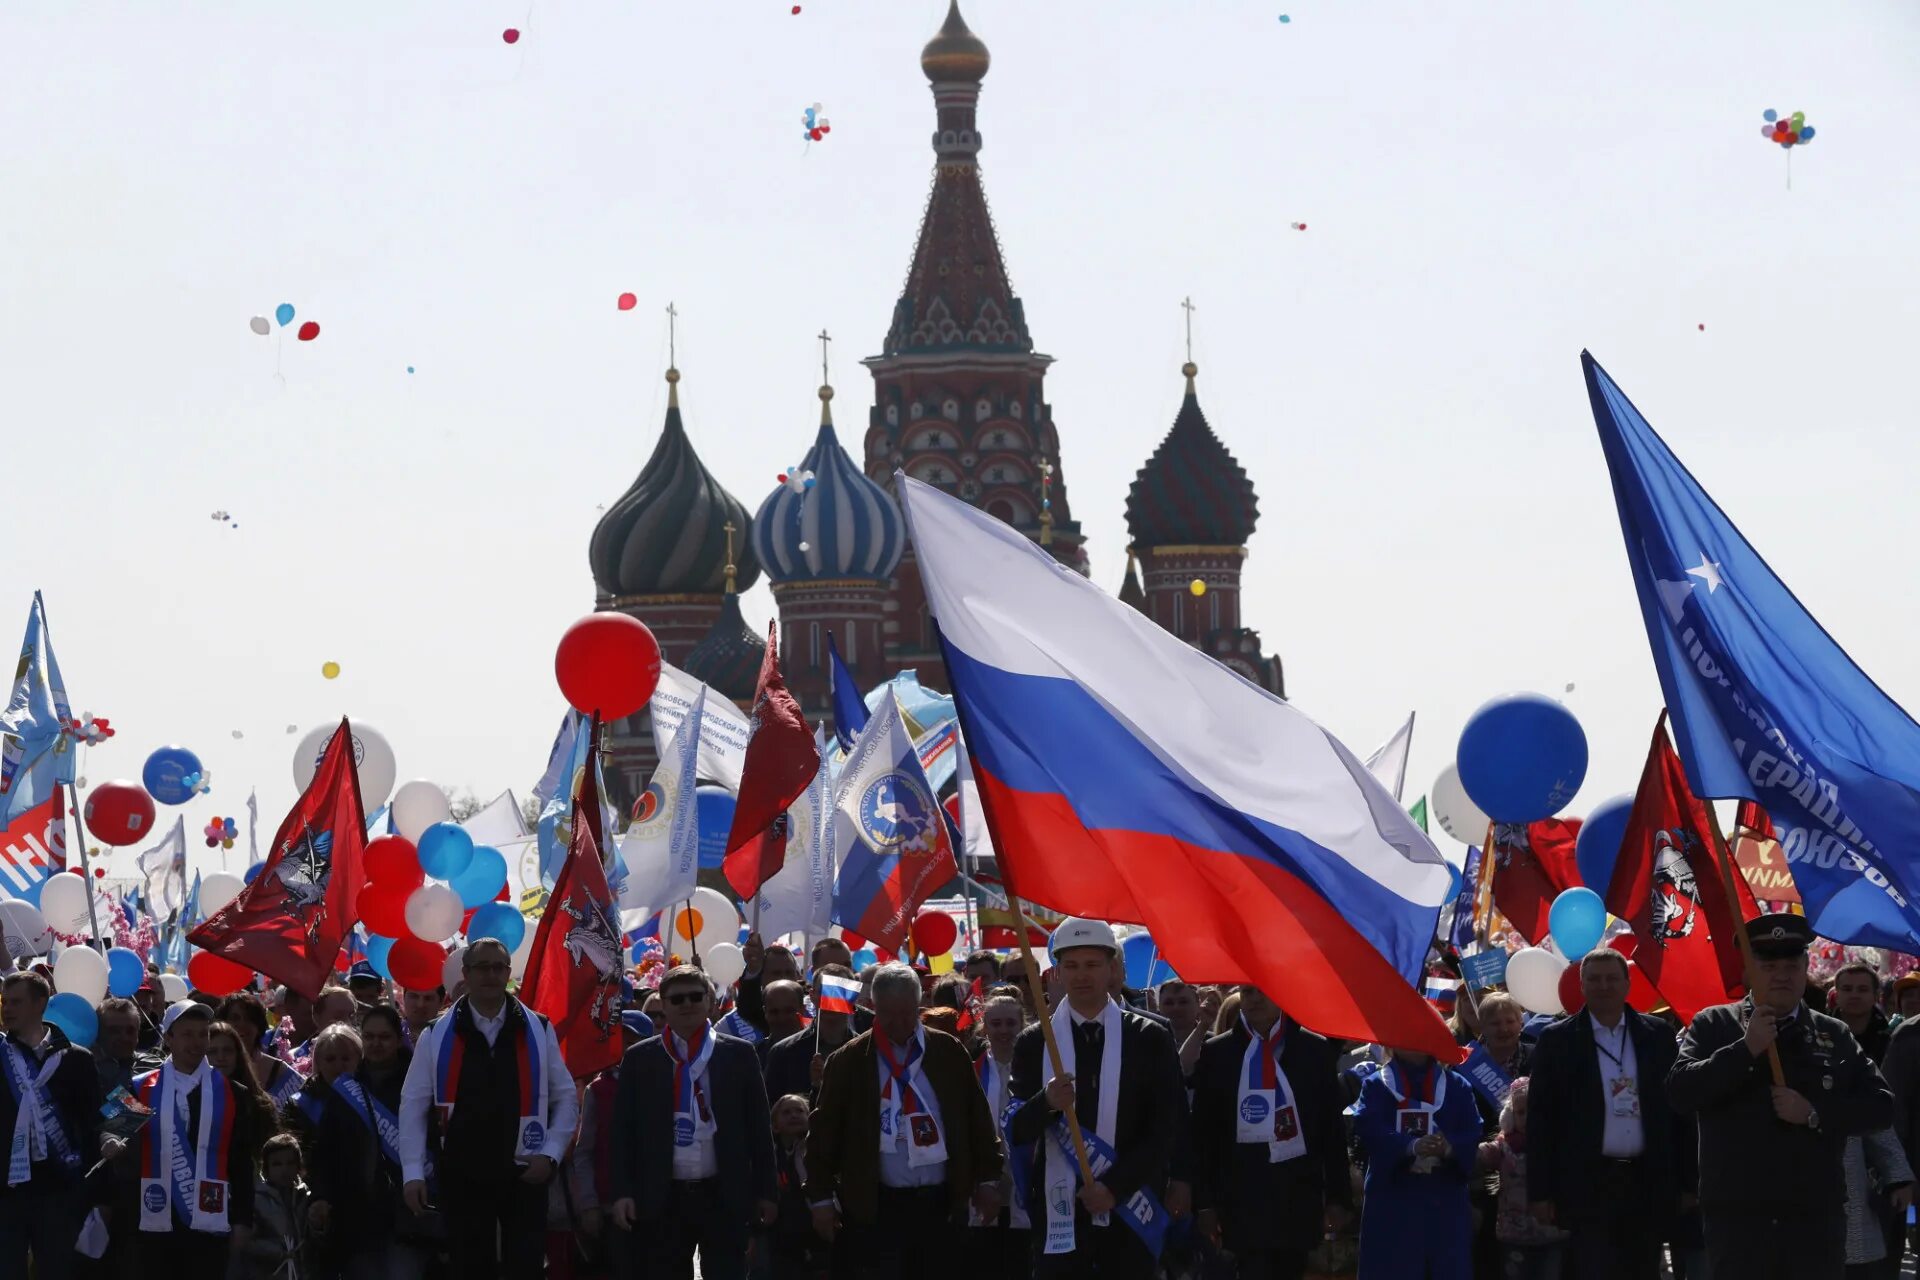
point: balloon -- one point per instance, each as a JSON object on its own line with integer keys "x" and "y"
{"x": 216, "y": 975}
{"x": 329, "y": 670}
{"x": 628, "y": 302}
{"x": 1806, "y": 134}
{"x": 166, "y": 772}
{"x": 511, "y": 35}
{"x": 82, "y": 971}
{"x": 260, "y": 326}
{"x": 383, "y": 908}
{"x": 864, "y": 958}
{"x": 433, "y": 913}
{"x": 445, "y": 850}
{"x": 370, "y": 752}
{"x": 1576, "y": 920}
{"x": 172, "y": 987}
{"x": 217, "y": 890}
{"x": 63, "y": 901}
{"x": 284, "y": 313}
{"x": 393, "y": 860}
{"x": 484, "y": 876}
{"x": 379, "y": 951}
{"x": 1522, "y": 757}
{"x": 415, "y": 964}
{"x": 125, "y": 971}
{"x": 75, "y": 1018}
{"x": 417, "y": 805}
{"x": 253, "y": 873}
{"x": 1572, "y": 998}
{"x": 607, "y": 662}
{"x": 498, "y": 920}
{"x": 119, "y": 812}
{"x": 713, "y": 807}
{"x": 308, "y": 332}
{"x": 712, "y": 920}
{"x": 1137, "y": 949}
{"x": 24, "y": 928}
{"x": 1457, "y": 814}
{"x": 724, "y": 964}
{"x": 453, "y": 969}
{"x": 1769, "y": 115}
{"x": 1533, "y": 976}
{"x": 1197, "y": 587}
{"x": 1598, "y": 846}
{"x": 935, "y": 932}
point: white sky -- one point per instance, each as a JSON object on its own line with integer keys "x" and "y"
{"x": 1489, "y": 186}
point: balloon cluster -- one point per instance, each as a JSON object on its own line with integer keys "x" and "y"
{"x": 1298, "y": 226}
{"x": 816, "y": 126}
{"x": 226, "y": 517}
{"x": 797, "y": 479}
{"x": 198, "y": 783}
{"x": 1788, "y": 131}
{"x": 88, "y": 731}
{"x": 221, "y": 832}
{"x": 283, "y": 313}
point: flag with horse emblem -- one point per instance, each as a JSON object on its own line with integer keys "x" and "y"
{"x": 574, "y": 970}
{"x": 291, "y": 921}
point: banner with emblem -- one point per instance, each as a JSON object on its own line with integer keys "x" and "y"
{"x": 661, "y": 849}
{"x": 889, "y": 834}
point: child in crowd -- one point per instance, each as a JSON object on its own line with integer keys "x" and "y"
{"x": 278, "y": 1248}
{"x": 1529, "y": 1249}
{"x": 798, "y": 1254}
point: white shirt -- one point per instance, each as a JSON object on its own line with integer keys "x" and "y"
{"x": 698, "y": 1161}
{"x": 416, "y": 1094}
{"x": 895, "y": 1171}
{"x": 1624, "y": 1136}
{"x": 489, "y": 1027}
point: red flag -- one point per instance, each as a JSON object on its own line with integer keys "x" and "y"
{"x": 290, "y": 922}
{"x": 1532, "y": 865}
{"x": 1753, "y": 818}
{"x": 781, "y": 761}
{"x": 1667, "y": 885}
{"x": 573, "y": 971}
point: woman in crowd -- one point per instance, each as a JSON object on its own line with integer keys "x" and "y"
{"x": 259, "y": 1119}
{"x": 384, "y": 1059}
{"x": 277, "y": 1079}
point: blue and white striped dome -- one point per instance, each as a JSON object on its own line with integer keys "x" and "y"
{"x": 847, "y": 524}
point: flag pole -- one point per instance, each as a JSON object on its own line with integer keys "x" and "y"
{"x": 1727, "y": 871}
{"x": 86, "y": 869}
{"x": 1046, "y": 1020}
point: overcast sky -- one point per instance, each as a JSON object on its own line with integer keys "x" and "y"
{"x": 1488, "y": 185}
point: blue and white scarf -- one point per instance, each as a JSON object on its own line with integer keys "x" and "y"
{"x": 37, "y": 1129}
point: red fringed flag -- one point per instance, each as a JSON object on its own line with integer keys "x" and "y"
{"x": 1667, "y": 885}
{"x": 573, "y": 971}
{"x": 781, "y": 760}
{"x": 290, "y": 922}
{"x": 1532, "y": 864}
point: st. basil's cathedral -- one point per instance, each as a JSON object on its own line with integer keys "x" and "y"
{"x": 959, "y": 401}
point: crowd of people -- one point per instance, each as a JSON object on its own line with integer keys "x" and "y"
{"x": 811, "y": 1122}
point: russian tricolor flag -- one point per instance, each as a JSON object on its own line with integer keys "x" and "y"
{"x": 837, "y": 994}
{"x": 1128, "y": 776}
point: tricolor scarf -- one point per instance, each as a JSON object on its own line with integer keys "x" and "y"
{"x": 1265, "y": 1110}
{"x": 908, "y": 1110}
{"x": 524, "y": 1029}
{"x": 188, "y": 1173}
{"x": 692, "y": 1115}
{"x": 37, "y": 1128}
{"x": 1420, "y": 1097}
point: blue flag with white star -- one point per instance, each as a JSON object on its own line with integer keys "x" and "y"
{"x": 1765, "y": 705}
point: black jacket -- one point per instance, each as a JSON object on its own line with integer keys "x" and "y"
{"x": 643, "y": 1129}
{"x": 1567, "y": 1115}
{"x": 1152, "y": 1100}
{"x": 74, "y": 1091}
{"x": 343, "y": 1168}
{"x": 1749, "y": 1158}
{"x": 1263, "y": 1205}
{"x": 789, "y": 1064}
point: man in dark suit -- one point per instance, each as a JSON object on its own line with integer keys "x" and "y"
{"x": 49, "y": 1106}
{"x": 1600, "y": 1135}
{"x": 901, "y": 1141}
{"x": 1120, "y": 1079}
{"x": 1271, "y": 1159}
{"x": 692, "y": 1148}
{"x": 794, "y": 1065}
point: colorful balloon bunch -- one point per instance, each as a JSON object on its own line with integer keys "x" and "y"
{"x": 220, "y": 833}
{"x": 796, "y": 479}
{"x": 88, "y": 731}
{"x": 284, "y": 315}
{"x": 199, "y": 782}
{"x": 816, "y": 126}
{"x": 1788, "y": 131}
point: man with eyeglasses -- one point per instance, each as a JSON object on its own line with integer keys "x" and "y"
{"x": 492, "y": 1069}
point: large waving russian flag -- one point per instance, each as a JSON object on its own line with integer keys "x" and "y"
{"x": 1126, "y": 775}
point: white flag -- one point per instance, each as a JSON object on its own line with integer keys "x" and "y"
{"x": 500, "y": 822}
{"x": 661, "y": 850}
{"x": 1388, "y": 763}
{"x": 799, "y": 897}
{"x": 723, "y": 730}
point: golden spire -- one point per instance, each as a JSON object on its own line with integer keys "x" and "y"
{"x": 731, "y": 568}
{"x": 1189, "y": 368}
{"x": 826, "y": 382}
{"x": 673, "y": 373}
{"x": 955, "y": 53}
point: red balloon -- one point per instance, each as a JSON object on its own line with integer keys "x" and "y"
{"x": 217, "y": 975}
{"x": 628, "y": 302}
{"x": 308, "y": 331}
{"x": 392, "y": 860}
{"x": 1571, "y": 998}
{"x": 1640, "y": 991}
{"x": 119, "y": 812}
{"x": 414, "y": 964}
{"x": 383, "y": 909}
{"x": 853, "y": 940}
{"x": 934, "y": 932}
{"x": 512, "y": 36}
{"x": 607, "y": 662}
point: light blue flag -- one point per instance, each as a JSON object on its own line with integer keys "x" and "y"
{"x": 36, "y": 753}
{"x": 175, "y": 950}
{"x": 924, "y": 707}
{"x": 1765, "y": 705}
{"x": 554, "y": 791}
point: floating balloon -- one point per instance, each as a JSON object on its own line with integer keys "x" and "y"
{"x": 1197, "y": 587}
{"x": 218, "y": 889}
{"x": 433, "y": 913}
{"x": 814, "y": 125}
{"x": 382, "y": 908}
{"x": 1576, "y": 920}
{"x": 1298, "y": 226}
{"x": 284, "y": 314}
{"x": 1522, "y": 757}
{"x": 260, "y": 326}
{"x": 628, "y": 302}
{"x": 417, "y": 805}
{"x": 253, "y": 872}
{"x": 308, "y": 332}
{"x": 713, "y": 807}
{"x": 126, "y": 972}
{"x": 453, "y": 968}
{"x": 445, "y": 850}
{"x": 864, "y": 958}
{"x": 378, "y": 950}
{"x": 1457, "y": 814}
{"x": 724, "y": 964}
{"x": 1285, "y": 18}
{"x": 83, "y": 972}
{"x": 330, "y": 670}
{"x": 415, "y": 964}
{"x": 498, "y": 920}
{"x": 1788, "y": 131}
{"x": 710, "y": 920}
{"x": 393, "y": 860}
{"x": 484, "y": 876}
{"x": 173, "y": 987}
{"x": 63, "y": 902}
{"x": 75, "y": 1017}
{"x": 216, "y": 975}
{"x": 1597, "y": 847}
{"x": 934, "y": 932}
{"x": 1572, "y": 998}
{"x": 607, "y": 662}
{"x": 1533, "y": 976}
{"x": 166, "y": 772}
{"x": 370, "y": 752}
{"x": 511, "y": 35}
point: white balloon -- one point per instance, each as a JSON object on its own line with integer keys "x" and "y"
{"x": 82, "y": 971}
{"x": 25, "y": 929}
{"x": 521, "y": 954}
{"x": 1533, "y": 976}
{"x": 370, "y": 751}
{"x": 717, "y": 919}
{"x": 417, "y": 805}
{"x": 724, "y": 964}
{"x": 1457, "y": 815}
{"x": 173, "y": 987}
{"x": 452, "y": 973}
{"x": 433, "y": 913}
{"x": 63, "y": 901}
{"x": 218, "y": 889}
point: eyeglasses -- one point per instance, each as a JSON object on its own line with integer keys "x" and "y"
{"x": 685, "y": 997}
{"x": 493, "y": 967}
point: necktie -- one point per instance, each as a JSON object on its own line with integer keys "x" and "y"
{"x": 1088, "y": 1038}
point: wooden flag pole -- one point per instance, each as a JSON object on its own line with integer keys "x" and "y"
{"x": 1046, "y": 1030}
{"x": 1727, "y": 872}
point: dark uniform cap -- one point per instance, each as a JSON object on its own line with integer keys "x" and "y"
{"x": 1779, "y": 936}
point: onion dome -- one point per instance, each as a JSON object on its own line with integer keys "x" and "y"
{"x": 729, "y": 656}
{"x": 955, "y": 53}
{"x": 1191, "y": 492}
{"x": 842, "y": 525}
{"x": 667, "y": 534}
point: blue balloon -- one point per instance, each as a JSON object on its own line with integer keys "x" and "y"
{"x": 1138, "y": 951}
{"x": 498, "y": 920}
{"x": 378, "y": 949}
{"x": 1769, "y": 115}
{"x": 483, "y": 879}
{"x": 252, "y": 873}
{"x": 74, "y": 1016}
{"x": 1577, "y": 919}
{"x": 284, "y": 313}
{"x": 446, "y": 850}
{"x": 864, "y": 958}
{"x": 1598, "y": 846}
{"x": 713, "y": 815}
{"x": 165, "y": 774}
{"x": 125, "y": 972}
{"x": 1806, "y": 133}
{"x": 1522, "y": 757}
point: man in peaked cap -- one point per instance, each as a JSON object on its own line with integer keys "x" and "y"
{"x": 1772, "y": 1179}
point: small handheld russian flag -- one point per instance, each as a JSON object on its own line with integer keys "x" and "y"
{"x": 837, "y": 994}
